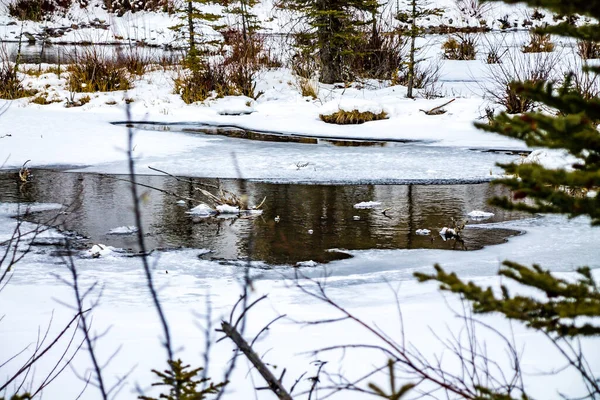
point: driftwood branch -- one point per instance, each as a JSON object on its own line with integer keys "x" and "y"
{"x": 274, "y": 384}
{"x": 437, "y": 110}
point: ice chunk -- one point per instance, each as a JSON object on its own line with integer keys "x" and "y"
{"x": 123, "y": 230}
{"x": 480, "y": 215}
{"x": 201, "y": 210}
{"x": 309, "y": 263}
{"x": 423, "y": 232}
{"x": 227, "y": 209}
{"x": 367, "y": 204}
{"x": 99, "y": 250}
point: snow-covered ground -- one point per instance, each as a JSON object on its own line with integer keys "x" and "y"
{"x": 364, "y": 284}
{"x": 443, "y": 148}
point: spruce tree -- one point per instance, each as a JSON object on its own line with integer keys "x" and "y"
{"x": 417, "y": 10}
{"x": 569, "y": 309}
{"x": 334, "y": 30}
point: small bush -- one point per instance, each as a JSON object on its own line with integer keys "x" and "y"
{"x": 460, "y": 48}
{"x": 93, "y": 72}
{"x": 134, "y": 61}
{"x": 37, "y": 10}
{"x": 588, "y": 50}
{"x": 308, "y": 87}
{"x": 539, "y": 43}
{"x": 495, "y": 50}
{"x": 529, "y": 68}
{"x": 353, "y": 117}
{"x": 195, "y": 86}
{"x": 377, "y": 55}
{"x": 426, "y": 78}
{"x": 11, "y": 86}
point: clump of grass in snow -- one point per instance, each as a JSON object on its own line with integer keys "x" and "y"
{"x": 342, "y": 117}
{"x": 11, "y": 86}
{"x": 94, "y": 72}
{"x": 538, "y": 43}
{"x": 460, "y": 48}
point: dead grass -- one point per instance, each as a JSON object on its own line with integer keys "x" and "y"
{"x": 539, "y": 43}
{"x": 94, "y": 72}
{"x": 460, "y": 47}
{"x": 353, "y": 117}
{"x": 44, "y": 99}
{"x": 588, "y": 50}
{"x": 36, "y": 10}
{"x": 11, "y": 86}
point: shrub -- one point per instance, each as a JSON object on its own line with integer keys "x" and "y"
{"x": 11, "y": 86}
{"x": 377, "y": 55}
{"x": 495, "y": 50}
{"x": 94, "y": 72}
{"x": 36, "y": 10}
{"x": 588, "y": 50}
{"x": 199, "y": 85}
{"x": 426, "y": 78}
{"x": 531, "y": 68}
{"x": 538, "y": 43}
{"x": 460, "y": 47}
{"x": 353, "y": 117}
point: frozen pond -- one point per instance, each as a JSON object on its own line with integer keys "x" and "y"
{"x": 281, "y": 234}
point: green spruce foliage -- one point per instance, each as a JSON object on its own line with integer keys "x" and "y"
{"x": 184, "y": 383}
{"x": 335, "y": 30}
{"x": 562, "y": 309}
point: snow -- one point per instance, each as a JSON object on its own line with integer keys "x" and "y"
{"x": 201, "y": 210}
{"x": 447, "y": 232}
{"x": 234, "y": 105}
{"x": 227, "y": 209}
{"x": 99, "y": 250}
{"x": 123, "y": 230}
{"x": 367, "y": 204}
{"x": 363, "y": 284}
{"x": 422, "y": 149}
{"x": 552, "y": 159}
{"x": 351, "y": 104}
{"x": 480, "y": 215}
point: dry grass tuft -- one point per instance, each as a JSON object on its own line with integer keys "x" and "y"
{"x": 353, "y": 117}
{"x": 92, "y": 72}
{"x": 461, "y": 47}
{"x": 539, "y": 43}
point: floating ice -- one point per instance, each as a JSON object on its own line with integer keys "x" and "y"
{"x": 447, "y": 232}
{"x": 227, "y": 209}
{"x": 201, "y": 210}
{"x": 367, "y": 204}
{"x": 123, "y": 230}
{"x": 98, "y": 250}
{"x": 478, "y": 214}
{"x": 309, "y": 263}
{"x": 423, "y": 232}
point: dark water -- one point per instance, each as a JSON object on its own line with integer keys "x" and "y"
{"x": 102, "y": 203}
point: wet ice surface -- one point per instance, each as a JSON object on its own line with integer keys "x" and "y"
{"x": 323, "y": 163}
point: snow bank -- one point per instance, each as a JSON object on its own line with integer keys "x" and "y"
{"x": 552, "y": 159}
{"x": 351, "y": 104}
{"x": 234, "y": 105}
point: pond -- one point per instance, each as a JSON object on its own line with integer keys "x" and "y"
{"x": 280, "y": 235}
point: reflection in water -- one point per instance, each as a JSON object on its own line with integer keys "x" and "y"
{"x": 103, "y": 203}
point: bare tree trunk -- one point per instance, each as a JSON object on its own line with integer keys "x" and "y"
{"x": 274, "y": 383}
